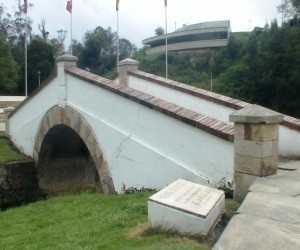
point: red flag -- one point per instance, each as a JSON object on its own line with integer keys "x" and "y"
{"x": 117, "y": 5}
{"x": 166, "y": 4}
{"x": 25, "y": 6}
{"x": 69, "y": 6}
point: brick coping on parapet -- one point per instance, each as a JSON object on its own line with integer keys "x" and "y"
{"x": 205, "y": 123}
{"x": 288, "y": 121}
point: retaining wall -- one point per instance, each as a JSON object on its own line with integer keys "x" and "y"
{"x": 18, "y": 184}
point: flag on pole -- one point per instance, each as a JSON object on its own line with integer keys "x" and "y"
{"x": 25, "y": 6}
{"x": 166, "y": 4}
{"x": 69, "y": 6}
{"x": 117, "y": 5}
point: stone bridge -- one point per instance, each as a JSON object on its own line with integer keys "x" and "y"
{"x": 142, "y": 131}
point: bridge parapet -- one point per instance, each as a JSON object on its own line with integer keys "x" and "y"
{"x": 213, "y": 105}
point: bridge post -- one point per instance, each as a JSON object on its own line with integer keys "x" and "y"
{"x": 63, "y": 62}
{"x": 7, "y": 111}
{"x": 255, "y": 146}
{"x": 125, "y": 66}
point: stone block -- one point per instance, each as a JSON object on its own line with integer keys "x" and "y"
{"x": 255, "y": 114}
{"x": 256, "y": 166}
{"x": 187, "y": 207}
{"x": 241, "y": 185}
{"x": 256, "y": 132}
{"x": 256, "y": 148}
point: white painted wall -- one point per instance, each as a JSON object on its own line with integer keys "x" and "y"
{"x": 142, "y": 147}
{"x": 183, "y": 99}
{"x": 24, "y": 124}
{"x": 289, "y": 140}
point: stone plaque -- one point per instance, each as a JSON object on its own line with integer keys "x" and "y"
{"x": 186, "y": 206}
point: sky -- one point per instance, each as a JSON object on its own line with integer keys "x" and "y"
{"x": 138, "y": 19}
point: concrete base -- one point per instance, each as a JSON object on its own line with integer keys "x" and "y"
{"x": 186, "y": 207}
{"x": 250, "y": 232}
{"x": 269, "y": 217}
{"x": 276, "y": 207}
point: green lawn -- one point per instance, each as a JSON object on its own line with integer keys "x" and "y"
{"x": 87, "y": 221}
{"x": 8, "y": 153}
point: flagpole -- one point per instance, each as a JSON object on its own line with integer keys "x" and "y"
{"x": 118, "y": 34}
{"x": 72, "y": 30}
{"x": 118, "y": 41}
{"x": 166, "y": 26}
{"x": 26, "y": 31}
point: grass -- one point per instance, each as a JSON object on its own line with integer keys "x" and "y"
{"x": 8, "y": 153}
{"x": 87, "y": 221}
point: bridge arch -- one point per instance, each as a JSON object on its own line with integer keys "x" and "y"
{"x": 64, "y": 131}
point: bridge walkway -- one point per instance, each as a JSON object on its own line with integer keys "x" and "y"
{"x": 269, "y": 217}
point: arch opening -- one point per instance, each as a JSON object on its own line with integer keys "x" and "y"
{"x": 65, "y": 162}
{"x": 64, "y": 134}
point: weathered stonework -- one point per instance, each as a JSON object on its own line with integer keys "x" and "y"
{"x": 242, "y": 182}
{"x": 256, "y": 132}
{"x": 125, "y": 66}
{"x": 255, "y": 146}
{"x": 255, "y": 166}
{"x": 18, "y": 184}
{"x": 7, "y": 112}
{"x": 71, "y": 118}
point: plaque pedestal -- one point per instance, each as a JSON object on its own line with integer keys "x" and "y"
{"x": 187, "y": 207}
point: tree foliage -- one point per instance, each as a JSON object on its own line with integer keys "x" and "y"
{"x": 268, "y": 69}
{"x": 159, "y": 31}
{"x": 8, "y": 69}
{"x": 98, "y": 53}
{"x": 262, "y": 66}
{"x": 40, "y": 59}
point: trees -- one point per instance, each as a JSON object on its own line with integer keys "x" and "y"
{"x": 99, "y": 53}
{"x": 12, "y": 28}
{"x": 267, "y": 72}
{"x": 126, "y": 48}
{"x": 99, "y": 50}
{"x": 289, "y": 9}
{"x": 159, "y": 31}
{"x": 40, "y": 59}
{"x": 9, "y": 69}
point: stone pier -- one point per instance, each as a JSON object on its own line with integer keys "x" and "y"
{"x": 255, "y": 146}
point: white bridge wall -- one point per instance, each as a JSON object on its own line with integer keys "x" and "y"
{"x": 24, "y": 124}
{"x": 289, "y": 140}
{"x": 142, "y": 147}
{"x": 145, "y": 148}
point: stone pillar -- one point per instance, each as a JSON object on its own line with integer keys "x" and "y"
{"x": 63, "y": 62}
{"x": 7, "y": 111}
{"x": 125, "y": 66}
{"x": 255, "y": 146}
{"x": 67, "y": 60}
